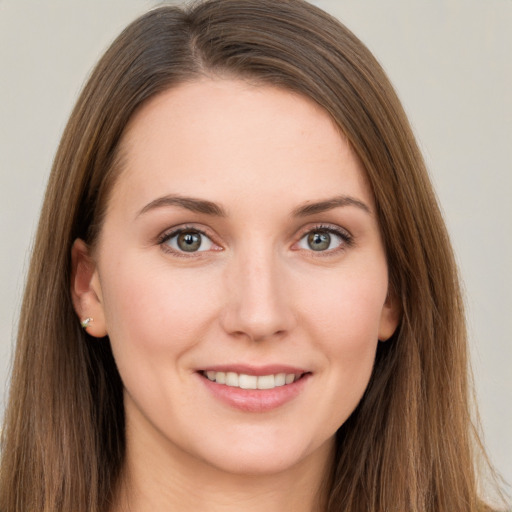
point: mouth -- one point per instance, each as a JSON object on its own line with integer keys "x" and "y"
{"x": 255, "y": 389}
{"x": 247, "y": 381}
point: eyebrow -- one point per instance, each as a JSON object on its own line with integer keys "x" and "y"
{"x": 189, "y": 203}
{"x": 211, "y": 208}
{"x": 329, "y": 204}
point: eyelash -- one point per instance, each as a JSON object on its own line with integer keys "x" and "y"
{"x": 345, "y": 236}
{"x": 168, "y": 235}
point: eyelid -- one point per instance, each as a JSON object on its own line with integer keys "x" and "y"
{"x": 344, "y": 234}
{"x": 176, "y": 230}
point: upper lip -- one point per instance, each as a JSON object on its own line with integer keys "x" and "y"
{"x": 270, "y": 369}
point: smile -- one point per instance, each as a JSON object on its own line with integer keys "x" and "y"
{"x": 244, "y": 381}
{"x": 255, "y": 390}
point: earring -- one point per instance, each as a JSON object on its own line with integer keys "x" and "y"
{"x": 86, "y": 322}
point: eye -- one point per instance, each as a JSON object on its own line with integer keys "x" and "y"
{"x": 187, "y": 240}
{"x": 324, "y": 239}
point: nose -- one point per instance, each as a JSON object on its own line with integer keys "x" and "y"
{"x": 258, "y": 304}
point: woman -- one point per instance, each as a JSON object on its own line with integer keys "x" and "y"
{"x": 255, "y": 304}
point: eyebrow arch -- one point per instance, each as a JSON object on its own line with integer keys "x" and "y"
{"x": 189, "y": 203}
{"x": 329, "y": 204}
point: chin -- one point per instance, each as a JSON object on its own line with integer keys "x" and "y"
{"x": 258, "y": 458}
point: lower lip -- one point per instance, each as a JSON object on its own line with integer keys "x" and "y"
{"x": 256, "y": 400}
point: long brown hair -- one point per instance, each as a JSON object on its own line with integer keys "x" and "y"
{"x": 410, "y": 444}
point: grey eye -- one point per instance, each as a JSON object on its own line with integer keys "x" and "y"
{"x": 321, "y": 240}
{"x": 189, "y": 241}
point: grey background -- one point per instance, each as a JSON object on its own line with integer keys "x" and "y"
{"x": 451, "y": 62}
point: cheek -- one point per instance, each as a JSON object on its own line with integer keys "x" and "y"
{"x": 152, "y": 310}
{"x": 344, "y": 322}
{"x": 347, "y": 309}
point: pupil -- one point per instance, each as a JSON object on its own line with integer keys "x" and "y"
{"x": 189, "y": 242}
{"x": 319, "y": 241}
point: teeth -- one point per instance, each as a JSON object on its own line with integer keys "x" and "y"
{"x": 266, "y": 382}
{"x": 247, "y": 381}
{"x": 232, "y": 379}
{"x": 280, "y": 379}
{"x": 244, "y": 381}
{"x": 289, "y": 378}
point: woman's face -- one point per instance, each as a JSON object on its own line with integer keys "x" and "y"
{"x": 240, "y": 250}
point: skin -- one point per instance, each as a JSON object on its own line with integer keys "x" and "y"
{"x": 256, "y": 293}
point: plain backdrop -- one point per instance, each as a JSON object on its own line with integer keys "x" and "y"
{"x": 451, "y": 62}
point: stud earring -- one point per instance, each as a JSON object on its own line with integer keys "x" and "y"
{"x": 86, "y": 322}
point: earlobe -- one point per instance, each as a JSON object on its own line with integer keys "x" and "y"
{"x": 390, "y": 317}
{"x": 86, "y": 290}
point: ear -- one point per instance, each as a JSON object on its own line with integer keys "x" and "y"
{"x": 390, "y": 317}
{"x": 86, "y": 289}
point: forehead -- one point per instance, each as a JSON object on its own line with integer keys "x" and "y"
{"x": 219, "y": 137}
